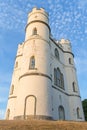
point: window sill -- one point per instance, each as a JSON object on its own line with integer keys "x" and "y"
{"x": 32, "y": 68}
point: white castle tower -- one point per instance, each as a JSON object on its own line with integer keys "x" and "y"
{"x": 44, "y": 83}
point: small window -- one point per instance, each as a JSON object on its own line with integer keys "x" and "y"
{"x": 35, "y": 31}
{"x": 70, "y": 61}
{"x": 16, "y": 64}
{"x": 55, "y": 76}
{"x": 58, "y": 78}
{"x": 32, "y": 62}
{"x": 56, "y": 53}
{"x": 8, "y": 114}
{"x": 62, "y": 81}
{"x": 12, "y": 90}
{"x": 78, "y": 112}
{"x": 74, "y": 87}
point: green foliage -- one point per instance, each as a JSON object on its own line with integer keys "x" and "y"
{"x": 84, "y": 104}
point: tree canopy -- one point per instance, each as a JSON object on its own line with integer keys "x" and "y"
{"x": 84, "y": 104}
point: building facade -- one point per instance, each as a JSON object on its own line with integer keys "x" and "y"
{"x": 44, "y": 83}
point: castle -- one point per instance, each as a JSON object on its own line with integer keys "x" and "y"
{"x": 44, "y": 83}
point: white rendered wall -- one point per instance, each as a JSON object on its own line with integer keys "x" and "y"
{"x": 36, "y": 82}
{"x": 41, "y": 90}
{"x": 35, "y": 93}
{"x": 69, "y": 100}
{"x": 15, "y": 82}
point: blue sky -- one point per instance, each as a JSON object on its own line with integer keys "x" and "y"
{"x": 67, "y": 19}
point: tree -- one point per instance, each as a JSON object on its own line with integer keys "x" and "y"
{"x": 84, "y": 104}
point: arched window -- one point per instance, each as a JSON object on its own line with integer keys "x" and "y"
{"x": 74, "y": 87}
{"x": 78, "y": 112}
{"x": 55, "y": 76}
{"x": 62, "y": 81}
{"x": 12, "y": 90}
{"x": 70, "y": 61}
{"x": 56, "y": 53}
{"x": 61, "y": 113}
{"x": 58, "y": 78}
{"x": 32, "y": 62}
{"x": 8, "y": 114}
{"x": 35, "y": 31}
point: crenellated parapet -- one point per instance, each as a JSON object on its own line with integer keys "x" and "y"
{"x": 38, "y": 14}
{"x": 66, "y": 45}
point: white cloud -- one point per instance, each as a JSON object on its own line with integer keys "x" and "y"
{"x": 82, "y": 4}
{"x": 11, "y": 16}
{"x": 81, "y": 65}
{"x": 86, "y": 30}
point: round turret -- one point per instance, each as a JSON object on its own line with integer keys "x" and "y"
{"x": 35, "y": 77}
{"x": 37, "y": 24}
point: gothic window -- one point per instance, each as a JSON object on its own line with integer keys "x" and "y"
{"x": 70, "y": 61}
{"x": 32, "y": 62}
{"x": 55, "y": 76}
{"x": 12, "y": 90}
{"x": 8, "y": 114}
{"x": 61, "y": 113}
{"x": 78, "y": 112}
{"x": 74, "y": 87}
{"x": 56, "y": 53}
{"x": 58, "y": 78}
{"x": 62, "y": 81}
{"x": 35, "y": 31}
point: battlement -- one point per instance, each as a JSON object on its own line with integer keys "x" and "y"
{"x": 66, "y": 45}
{"x": 64, "y": 41}
{"x": 38, "y": 14}
{"x": 36, "y": 10}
